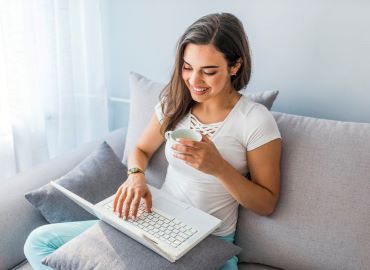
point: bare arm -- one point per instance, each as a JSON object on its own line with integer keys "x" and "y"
{"x": 261, "y": 194}
{"x": 148, "y": 143}
{"x": 129, "y": 194}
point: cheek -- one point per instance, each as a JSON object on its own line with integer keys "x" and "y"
{"x": 217, "y": 81}
{"x": 185, "y": 75}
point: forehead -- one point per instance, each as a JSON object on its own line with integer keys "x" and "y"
{"x": 203, "y": 55}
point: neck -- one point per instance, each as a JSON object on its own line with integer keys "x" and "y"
{"x": 217, "y": 104}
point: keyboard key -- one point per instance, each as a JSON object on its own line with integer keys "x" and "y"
{"x": 179, "y": 238}
{"x": 160, "y": 225}
{"x": 176, "y": 221}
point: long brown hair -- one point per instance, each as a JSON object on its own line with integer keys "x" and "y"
{"x": 226, "y": 33}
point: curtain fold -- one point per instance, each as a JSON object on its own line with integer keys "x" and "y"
{"x": 53, "y": 94}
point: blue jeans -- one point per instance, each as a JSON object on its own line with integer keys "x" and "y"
{"x": 48, "y": 238}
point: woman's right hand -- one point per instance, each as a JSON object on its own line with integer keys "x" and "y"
{"x": 129, "y": 194}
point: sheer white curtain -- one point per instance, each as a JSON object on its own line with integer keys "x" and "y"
{"x": 53, "y": 93}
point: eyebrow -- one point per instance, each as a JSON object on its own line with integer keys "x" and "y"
{"x": 203, "y": 66}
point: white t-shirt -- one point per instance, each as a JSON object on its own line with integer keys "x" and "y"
{"x": 247, "y": 126}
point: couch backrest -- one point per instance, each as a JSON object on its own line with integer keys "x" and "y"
{"x": 322, "y": 220}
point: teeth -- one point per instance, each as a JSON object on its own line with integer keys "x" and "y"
{"x": 200, "y": 89}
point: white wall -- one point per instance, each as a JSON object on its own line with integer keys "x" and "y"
{"x": 316, "y": 53}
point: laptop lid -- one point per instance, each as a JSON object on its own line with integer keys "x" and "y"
{"x": 88, "y": 206}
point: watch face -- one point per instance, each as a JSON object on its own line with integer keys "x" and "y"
{"x": 134, "y": 170}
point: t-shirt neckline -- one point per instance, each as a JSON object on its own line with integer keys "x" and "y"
{"x": 222, "y": 123}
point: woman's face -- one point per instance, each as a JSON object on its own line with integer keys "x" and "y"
{"x": 205, "y": 72}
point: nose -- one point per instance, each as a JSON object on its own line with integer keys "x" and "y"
{"x": 195, "y": 78}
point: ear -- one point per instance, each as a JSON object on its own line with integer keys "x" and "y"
{"x": 234, "y": 69}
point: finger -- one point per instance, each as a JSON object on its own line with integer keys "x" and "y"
{"x": 135, "y": 205}
{"x": 185, "y": 157}
{"x": 184, "y": 149}
{"x": 148, "y": 202}
{"x": 189, "y": 160}
{"x": 127, "y": 205}
{"x": 205, "y": 138}
{"x": 121, "y": 199}
{"x": 190, "y": 164}
{"x": 189, "y": 143}
{"x": 116, "y": 198}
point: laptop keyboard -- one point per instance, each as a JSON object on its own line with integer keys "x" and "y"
{"x": 163, "y": 227}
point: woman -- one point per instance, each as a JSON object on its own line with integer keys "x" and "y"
{"x": 239, "y": 137}
{"x": 212, "y": 64}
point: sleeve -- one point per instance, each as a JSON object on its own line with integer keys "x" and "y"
{"x": 262, "y": 128}
{"x": 158, "y": 112}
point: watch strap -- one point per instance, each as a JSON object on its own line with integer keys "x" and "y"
{"x": 133, "y": 170}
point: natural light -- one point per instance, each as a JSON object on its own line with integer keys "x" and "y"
{"x": 53, "y": 93}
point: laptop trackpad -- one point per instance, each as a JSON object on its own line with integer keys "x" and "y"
{"x": 168, "y": 206}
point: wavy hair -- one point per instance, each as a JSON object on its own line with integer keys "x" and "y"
{"x": 226, "y": 33}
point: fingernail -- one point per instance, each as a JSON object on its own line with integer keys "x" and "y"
{"x": 178, "y": 139}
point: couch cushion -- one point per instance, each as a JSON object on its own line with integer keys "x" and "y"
{"x": 24, "y": 266}
{"x": 103, "y": 247}
{"x": 322, "y": 220}
{"x": 95, "y": 178}
{"x": 144, "y": 97}
{"x": 21, "y": 216}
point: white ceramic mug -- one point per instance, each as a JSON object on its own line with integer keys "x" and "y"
{"x": 188, "y": 134}
{"x": 171, "y": 137}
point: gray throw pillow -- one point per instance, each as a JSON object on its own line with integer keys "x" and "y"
{"x": 144, "y": 95}
{"x": 103, "y": 247}
{"x": 95, "y": 178}
{"x": 322, "y": 219}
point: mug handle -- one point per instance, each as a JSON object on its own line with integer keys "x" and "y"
{"x": 167, "y": 134}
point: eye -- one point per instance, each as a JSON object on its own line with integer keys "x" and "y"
{"x": 186, "y": 68}
{"x": 209, "y": 73}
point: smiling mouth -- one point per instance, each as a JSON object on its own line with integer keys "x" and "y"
{"x": 200, "y": 89}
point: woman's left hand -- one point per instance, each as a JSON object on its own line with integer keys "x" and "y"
{"x": 202, "y": 155}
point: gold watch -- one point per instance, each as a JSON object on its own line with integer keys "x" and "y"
{"x": 134, "y": 170}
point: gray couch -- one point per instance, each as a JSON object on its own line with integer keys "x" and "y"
{"x": 322, "y": 220}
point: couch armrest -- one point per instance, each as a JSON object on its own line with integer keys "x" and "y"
{"x": 18, "y": 217}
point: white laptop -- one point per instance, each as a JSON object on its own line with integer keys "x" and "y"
{"x": 171, "y": 230}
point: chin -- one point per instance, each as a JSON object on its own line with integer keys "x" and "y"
{"x": 199, "y": 99}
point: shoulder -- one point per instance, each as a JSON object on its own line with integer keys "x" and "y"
{"x": 252, "y": 110}
{"x": 259, "y": 125}
{"x": 159, "y": 112}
